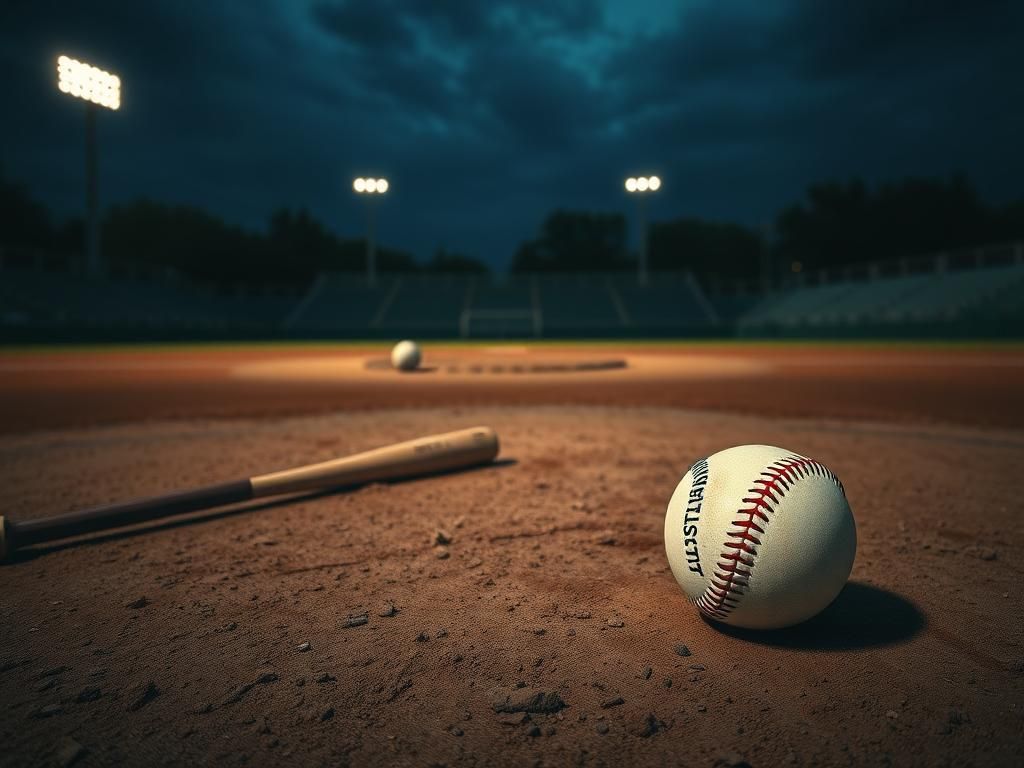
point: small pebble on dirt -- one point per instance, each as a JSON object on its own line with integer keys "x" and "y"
{"x": 443, "y": 554}
{"x": 357, "y": 620}
{"x": 325, "y": 677}
{"x": 141, "y": 694}
{"x": 89, "y": 693}
{"x": 602, "y": 728}
{"x": 616, "y": 622}
{"x": 303, "y": 647}
{"x": 327, "y": 714}
{"x": 650, "y": 726}
{"x": 613, "y": 702}
{"x": 48, "y": 710}
{"x": 388, "y": 610}
{"x": 69, "y": 752}
{"x": 141, "y": 602}
{"x": 682, "y": 650}
{"x": 646, "y": 674}
{"x": 442, "y": 537}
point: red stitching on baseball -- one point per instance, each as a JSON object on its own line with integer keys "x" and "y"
{"x": 732, "y": 572}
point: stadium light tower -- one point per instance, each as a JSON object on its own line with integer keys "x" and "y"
{"x": 371, "y": 188}
{"x": 98, "y": 89}
{"x": 640, "y": 186}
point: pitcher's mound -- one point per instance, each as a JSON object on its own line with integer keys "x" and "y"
{"x": 491, "y": 366}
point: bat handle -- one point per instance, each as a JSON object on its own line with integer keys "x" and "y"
{"x": 21, "y": 534}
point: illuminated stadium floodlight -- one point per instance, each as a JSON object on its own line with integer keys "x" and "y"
{"x": 370, "y": 187}
{"x": 97, "y": 88}
{"x": 84, "y": 81}
{"x": 640, "y": 185}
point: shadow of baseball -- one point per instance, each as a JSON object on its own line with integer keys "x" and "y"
{"x": 862, "y": 616}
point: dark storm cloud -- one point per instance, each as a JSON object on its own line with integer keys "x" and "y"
{"x": 487, "y": 115}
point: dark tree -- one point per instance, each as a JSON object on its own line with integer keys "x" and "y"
{"x": 575, "y": 241}
{"x": 709, "y": 249}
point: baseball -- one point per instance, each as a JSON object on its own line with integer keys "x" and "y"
{"x": 760, "y": 537}
{"x": 405, "y": 356}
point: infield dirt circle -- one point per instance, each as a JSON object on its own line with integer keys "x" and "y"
{"x": 412, "y": 623}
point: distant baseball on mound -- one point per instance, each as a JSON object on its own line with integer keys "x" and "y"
{"x": 405, "y": 356}
{"x": 760, "y": 537}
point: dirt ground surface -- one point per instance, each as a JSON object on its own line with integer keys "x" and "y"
{"x": 973, "y": 386}
{"x": 413, "y": 623}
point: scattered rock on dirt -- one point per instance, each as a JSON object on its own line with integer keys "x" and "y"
{"x": 141, "y": 694}
{"x": 616, "y": 622}
{"x": 388, "y": 610}
{"x": 48, "y": 710}
{"x": 442, "y": 538}
{"x": 141, "y": 602}
{"x": 650, "y": 726}
{"x": 303, "y": 647}
{"x": 356, "y": 620}
{"x": 682, "y": 650}
{"x": 69, "y": 752}
{"x": 89, "y": 693}
{"x": 525, "y": 700}
{"x": 236, "y": 695}
{"x": 616, "y": 701}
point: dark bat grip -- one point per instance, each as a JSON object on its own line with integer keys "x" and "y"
{"x": 24, "y": 533}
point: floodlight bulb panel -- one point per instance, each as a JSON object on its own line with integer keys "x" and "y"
{"x": 87, "y": 82}
{"x": 359, "y": 185}
{"x": 382, "y": 185}
{"x": 631, "y": 184}
{"x": 654, "y": 183}
{"x": 641, "y": 184}
{"x": 371, "y": 185}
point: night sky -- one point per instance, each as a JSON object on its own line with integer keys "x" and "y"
{"x": 485, "y": 116}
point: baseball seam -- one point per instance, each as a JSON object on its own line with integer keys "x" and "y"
{"x": 732, "y": 572}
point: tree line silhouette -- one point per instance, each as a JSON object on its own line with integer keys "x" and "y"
{"x": 835, "y": 225}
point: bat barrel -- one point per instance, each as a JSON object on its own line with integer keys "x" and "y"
{"x": 426, "y": 455}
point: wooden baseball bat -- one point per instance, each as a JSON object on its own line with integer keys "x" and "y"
{"x": 425, "y": 455}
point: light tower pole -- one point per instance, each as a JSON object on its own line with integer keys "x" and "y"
{"x": 98, "y": 89}
{"x": 371, "y": 187}
{"x": 640, "y": 186}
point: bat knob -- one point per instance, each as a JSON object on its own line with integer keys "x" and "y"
{"x": 3, "y": 539}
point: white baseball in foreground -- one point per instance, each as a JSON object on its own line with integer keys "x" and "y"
{"x": 760, "y": 537}
{"x": 405, "y": 356}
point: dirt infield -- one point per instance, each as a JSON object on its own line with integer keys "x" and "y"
{"x": 963, "y": 385}
{"x": 411, "y": 623}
